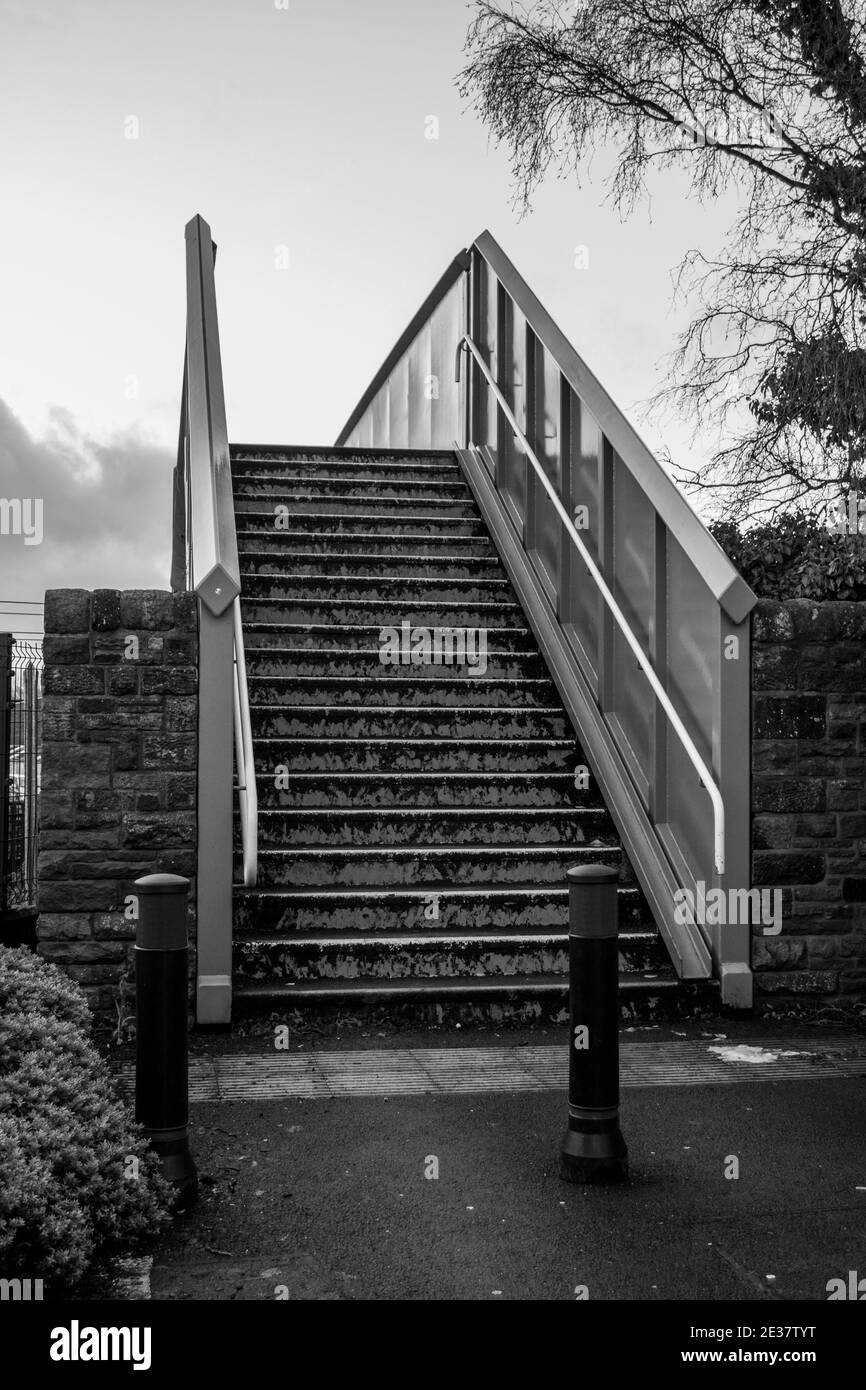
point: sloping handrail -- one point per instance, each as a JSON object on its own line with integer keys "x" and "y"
{"x": 205, "y": 554}
{"x": 640, "y": 656}
{"x": 244, "y": 758}
{"x": 721, "y": 577}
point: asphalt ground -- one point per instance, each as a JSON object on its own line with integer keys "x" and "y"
{"x": 440, "y": 1197}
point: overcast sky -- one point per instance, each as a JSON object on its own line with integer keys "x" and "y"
{"x": 299, "y": 127}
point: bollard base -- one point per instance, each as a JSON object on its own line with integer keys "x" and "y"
{"x": 594, "y": 1157}
{"x": 178, "y": 1168}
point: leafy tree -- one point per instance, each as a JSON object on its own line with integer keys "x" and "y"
{"x": 765, "y": 95}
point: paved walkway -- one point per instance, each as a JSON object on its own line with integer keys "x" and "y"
{"x": 395, "y": 1071}
{"x": 431, "y": 1173}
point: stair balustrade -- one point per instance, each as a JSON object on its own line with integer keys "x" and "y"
{"x": 205, "y": 558}
{"x": 640, "y": 616}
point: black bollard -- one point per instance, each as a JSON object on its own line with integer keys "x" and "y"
{"x": 161, "y": 1070}
{"x": 593, "y": 1150}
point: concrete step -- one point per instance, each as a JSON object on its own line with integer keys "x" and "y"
{"x": 461, "y": 908}
{"x": 365, "y": 663}
{"x": 387, "y": 689}
{"x": 346, "y": 563}
{"x": 429, "y": 526}
{"x": 408, "y": 590}
{"x": 282, "y": 487}
{"x": 322, "y": 502}
{"x": 513, "y": 989}
{"x": 315, "y": 637}
{"x": 295, "y": 542}
{"x": 484, "y": 790}
{"x": 428, "y": 611}
{"x": 308, "y": 742}
{"x": 463, "y": 723}
{"x": 315, "y": 456}
{"x": 427, "y": 955}
{"x": 427, "y": 865}
{"x": 463, "y": 826}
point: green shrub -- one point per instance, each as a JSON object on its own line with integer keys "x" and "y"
{"x": 796, "y": 557}
{"x": 78, "y": 1183}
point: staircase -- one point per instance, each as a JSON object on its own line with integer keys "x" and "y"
{"x": 415, "y": 821}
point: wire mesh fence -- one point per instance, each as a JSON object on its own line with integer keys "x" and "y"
{"x": 20, "y": 767}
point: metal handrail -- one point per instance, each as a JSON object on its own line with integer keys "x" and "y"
{"x": 205, "y": 551}
{"x": 643, "y": 662}
{"x": 246, "y": 767}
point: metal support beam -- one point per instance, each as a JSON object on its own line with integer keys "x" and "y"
{"x": 215, "y": 794}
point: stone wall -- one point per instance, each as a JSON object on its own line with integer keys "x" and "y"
{"x": 119, "y": 784}
{"x": 118, "y": 773}
{"x": 809, "y": 796}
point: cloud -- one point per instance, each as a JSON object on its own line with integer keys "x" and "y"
{"x": 106, "y": 504}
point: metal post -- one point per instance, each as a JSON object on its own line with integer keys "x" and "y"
{"x": 593, "y": 1150}
{"x": 161, "y": 1082}
{"x": 214, "y": 799}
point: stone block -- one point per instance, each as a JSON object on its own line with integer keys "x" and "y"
{"x": 67, "y": 610}
{"x": 147, "y": 608}
{"x": 772, "y": 622}
{"x": 122, "y": 680}
{"x": 64, "y": 926}
{"x": 81, "y": 896}
{"x": 797, "y": 982}
{"x": 172, "y": 752}
{"x": 788, "y": 717}
{"x": 105, "y": 614}
{"x": 180, "y": 650}
{"x": 169, "y": 680}
{"x": 775, "y": 668}
{"x": 785, "y": 794}
{"x": 73, "y": 680}
{"x": 772, "y": 832}
{"x": 70, "y": 765}
{"x": 843, "y": 795}
{"x": 794, "y": 866}
{"x": 777, "y": 952}
{"x": 66, "y": 649}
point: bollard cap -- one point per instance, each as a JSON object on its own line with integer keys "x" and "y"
{"x": 162, "y": 913}
{"x": 162, "y": 883}
{"x": 592, "y": 873}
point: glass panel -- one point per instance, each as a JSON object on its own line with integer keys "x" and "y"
{"x": 548, "y": 445}
{"x": 485, "y": 410}
{"x": 489, "y": 343}
{"x": 422, "y": 386}
{"x": 398, "y": 406}
{"x": 694, "y": 658}
{"x": 380, "y": 414}
{"x": 513, "y": 472}
{"x": 633, "y": 561}
{"x": 585, "y": 489}
{"x": 445, "y": 328}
